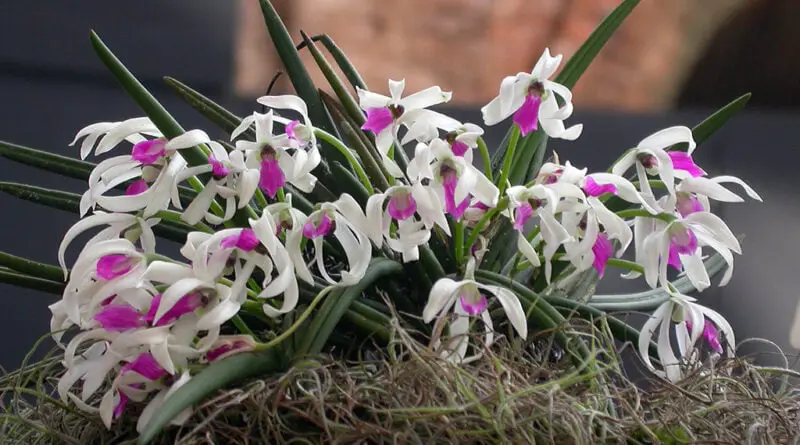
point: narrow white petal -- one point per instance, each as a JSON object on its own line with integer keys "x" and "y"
{"x": 443, "y": 294}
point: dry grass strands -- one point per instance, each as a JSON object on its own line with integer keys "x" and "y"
{"x": 411, "y": 397}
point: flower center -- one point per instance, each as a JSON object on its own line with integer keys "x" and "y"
{"x": 397, "y": 111}
{"x": 402, "y": 205}
{"x": 682, "y": 239}
{"x": 536, "y": 89}
{"x": 647, "y": 160}
{"x": 218, "y": 169}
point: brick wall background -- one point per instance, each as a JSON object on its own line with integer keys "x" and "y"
{"x": 467, "y": 46}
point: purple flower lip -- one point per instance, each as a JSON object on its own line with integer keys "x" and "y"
{"x": 527, "y": 117}
{"x": 218, "y": 169}
{"x": 187, "y": 304}
{"x": 378, "y": 119}
{"x": 271, "y": 178}
{"x": 472, "y": 305}
{"x": 146, "y": 366}
{"x": 246, "y": 241}
{"x": 113, "y": 266}
{"x": 119, "y": 318}
{"x": 402, "y": 206}
{"x": 137, "y": 188}
{"x": 312, "y": 231}
{"x": 683, "y": 161}
{"x": 522, "y": 215}
{"x": 149, "y": 152}
{"x": 290, "y": 133}
{"x": 603, "y": 250}
{"x": 592, "y": 188}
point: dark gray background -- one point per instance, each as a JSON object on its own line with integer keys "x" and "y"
{"x": 51, "y": 85}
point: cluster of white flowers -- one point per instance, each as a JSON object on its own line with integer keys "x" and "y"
{"x": 144, "y": 318}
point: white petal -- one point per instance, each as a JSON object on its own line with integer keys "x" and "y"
{"x": 189, "y": 139}
{"x": 443, "y": 295}
{"x": 425, "y": 98}
{"x": 667, "y": 137}
{"x": 511, "y": 306}
{"x": 716, "y": 228}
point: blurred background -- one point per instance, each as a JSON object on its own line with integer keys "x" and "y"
{"x": 672, "y": 62}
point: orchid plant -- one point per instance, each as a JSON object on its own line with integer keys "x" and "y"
{"x": 313, "y": 200}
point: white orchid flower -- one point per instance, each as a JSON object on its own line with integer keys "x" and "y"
{"x": 451, "y": 177}
{"x": 468, "y": 300}
{"x": 111, "y": 134}
{"x": 650, "y": 157}
{"x": 270, "y": 154}
{"x": 540, "y": 200}
{"x": 385, "y": 115}
{"x": 679, "y": 244}
{"x": 689, "y": 319}
{"x": 132, "y": 227}
{"x": 531, "y": 98}
{"x": 230, "y": 178}
{"x": 155, "y": 161}
{"x": 402, "y": 210}
{"x": 300, "y": 134}
{"x": 102, "y": 270}
{"x": 343, "y": 218}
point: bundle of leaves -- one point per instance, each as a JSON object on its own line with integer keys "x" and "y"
{"x": 327, "y": 222}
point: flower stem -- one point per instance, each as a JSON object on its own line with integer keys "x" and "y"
{"x": 487, "y": 160}
{"x": 512, "y": 147}
{"x": 242, "y": 326}
{"x": 339, "y": 145}
{"x": 473, "y": 235}
{"x": 458, "y": 241}
{"x": 631, "y": 213}
{"x": 277, "y": 340}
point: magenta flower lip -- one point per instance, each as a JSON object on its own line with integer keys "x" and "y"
{"x": 113, "y": 266}
{"x": 312, "y": 231}
{"x": 378, "y": 119}
{"x": 527, "y": 117}
{"x": 148, "y": 152}
{"x": 401, "y": 206}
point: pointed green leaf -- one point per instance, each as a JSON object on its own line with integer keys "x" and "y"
{"x": 345, "y": 98}
{"x": 47, "y": 197}
{"x": 349, "y": 183}
{"x": 62, "y": 165}
{"x": 168, "y": 126}
{"x": 341, "y": 59}
{"x": 30, "y": 267}
{"x": 211, "y": 110}
{"x": 25, "y": 281}
{"x": 335, "y": 306}
{"x": 218, "y": 375}
{"x": 299, "y": 77}
{"x": 577, "y": 64}
{"x": 710, "y": 125}
{"x": 70, "y": 202}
